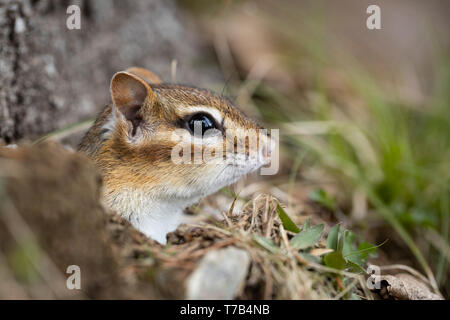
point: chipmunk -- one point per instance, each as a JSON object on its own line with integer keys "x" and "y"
{"x": 132, "y": 143}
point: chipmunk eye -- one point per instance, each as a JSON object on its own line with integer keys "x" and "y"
{"x": 201, "y": 119}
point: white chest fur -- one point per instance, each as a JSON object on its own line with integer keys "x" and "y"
{"x": 152, "y": 216}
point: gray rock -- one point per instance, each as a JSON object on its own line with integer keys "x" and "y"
{"x": 220, "y": 275}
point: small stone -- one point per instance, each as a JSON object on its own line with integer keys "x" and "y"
{"x": 219, "y": 275}
{"x": 19, "y": 25}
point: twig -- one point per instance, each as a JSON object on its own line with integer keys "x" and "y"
{"x": 346, "y": 290}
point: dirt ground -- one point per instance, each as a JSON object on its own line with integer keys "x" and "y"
{"x": 51, "y": 218}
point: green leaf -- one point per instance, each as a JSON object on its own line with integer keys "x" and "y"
{"x": 335, "y": 260}
{"x": 333, "y": 236}
{"x": 307, "y": 238}
{"x": 265, "y": 243}
{"x": 320, "y": 196}
{"x": 311, "y": 258}
{"x": 366, "y": 249}
{"x": 354, "y": 267}
{"x": 348, "y": 242}
{"x": 349, "y": 248}
{"x": 306, "y": 225}
{"x": 355, "y": 259}
{"x": 288, "y": 224}
{"x": 354, "y": 297}
{"x": 341, "y": 240}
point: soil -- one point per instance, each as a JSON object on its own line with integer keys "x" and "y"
{"x": 51, "y": 215}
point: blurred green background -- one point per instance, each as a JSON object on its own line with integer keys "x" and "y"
{"x": 363, "y": 114}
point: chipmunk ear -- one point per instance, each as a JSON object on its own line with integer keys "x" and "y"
{"x": 145, "y": 74}
{"x": 129, "y": 94}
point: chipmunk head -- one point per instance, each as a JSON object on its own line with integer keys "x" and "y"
{"x": 174, "y": 141}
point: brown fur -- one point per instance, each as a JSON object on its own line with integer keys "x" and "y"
{"x": 131, "y": 143}
{"x": 115, "y": 152}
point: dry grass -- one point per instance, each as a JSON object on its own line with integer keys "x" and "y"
{"x": 277, "y": 271}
